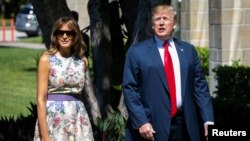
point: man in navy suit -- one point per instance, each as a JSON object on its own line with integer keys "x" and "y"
{"x": 146, "y": 87}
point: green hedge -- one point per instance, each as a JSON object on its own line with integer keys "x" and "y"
{"x": 233, "y": 82}
{"x": 232, "y": 104}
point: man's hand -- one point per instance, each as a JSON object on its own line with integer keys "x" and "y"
{"x": 147, "y": 131}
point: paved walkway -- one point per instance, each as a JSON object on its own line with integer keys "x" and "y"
{"x": 23, "y": 45}
{"x": 15, "y": 42}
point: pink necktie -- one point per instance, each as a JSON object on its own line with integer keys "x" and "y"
{"x": 168, "y": 66}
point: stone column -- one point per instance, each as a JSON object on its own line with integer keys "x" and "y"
{"x": 194, "y": 22}
{"x": 229, "y": 24}
{"x": 80, "y": 6}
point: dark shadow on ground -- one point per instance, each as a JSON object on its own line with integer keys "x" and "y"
{"x": 21, "y": 129}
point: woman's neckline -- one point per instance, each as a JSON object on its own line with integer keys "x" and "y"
{"x": 65, "y": 57}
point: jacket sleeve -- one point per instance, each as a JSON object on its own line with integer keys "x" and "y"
{"x": 201, "y": 91}
{"x": 131, "y": 92}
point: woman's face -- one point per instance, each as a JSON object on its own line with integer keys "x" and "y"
{"x": 65, "y": 37}
{"x": 163, "y": 23}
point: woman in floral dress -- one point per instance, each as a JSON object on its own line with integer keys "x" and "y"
{"x": 63, "y": 75}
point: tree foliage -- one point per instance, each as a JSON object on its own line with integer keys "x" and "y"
{"x": 114, "y": 26}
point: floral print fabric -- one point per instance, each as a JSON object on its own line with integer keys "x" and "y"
{"x": 67, "y": 75}
{"x": 67, "y": 120}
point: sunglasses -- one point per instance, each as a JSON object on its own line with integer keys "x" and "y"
{"x": 60, "y": 33}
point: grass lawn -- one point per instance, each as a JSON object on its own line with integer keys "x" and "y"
{"x": 36, "y": 39}
{"x": 17, "y": 80}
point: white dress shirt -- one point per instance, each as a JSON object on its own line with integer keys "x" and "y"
{"x": 176, "y": 66}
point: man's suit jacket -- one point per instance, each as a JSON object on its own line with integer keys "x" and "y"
{"x": 146, "y": 91}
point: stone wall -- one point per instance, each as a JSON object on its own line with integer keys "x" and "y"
{"x": 221, "y": 25}
{"x": 229, "y": 24}
{"x": 194, "y": 22}
{"x": 81, "y": 7}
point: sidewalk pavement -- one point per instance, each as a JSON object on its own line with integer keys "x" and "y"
{"x": 15, "y": 42}
{"x": 23, "y": 45}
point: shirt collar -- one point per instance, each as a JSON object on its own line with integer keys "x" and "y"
{"x": 159, "y": 42}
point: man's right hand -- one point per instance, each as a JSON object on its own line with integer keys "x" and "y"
{"x": 147, "y": 131}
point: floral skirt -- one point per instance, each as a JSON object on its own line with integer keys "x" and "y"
{"x": 67, "y": 121}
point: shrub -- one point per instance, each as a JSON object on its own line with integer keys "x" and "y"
{"x": 203, "y": 53}
{"x": 20, "y": 129}
{"x": 232, "y": 104}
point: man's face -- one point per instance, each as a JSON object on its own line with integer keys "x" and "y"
{"x": 163, "y": 23}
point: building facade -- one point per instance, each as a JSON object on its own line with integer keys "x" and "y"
{"x": 221, "y": 25}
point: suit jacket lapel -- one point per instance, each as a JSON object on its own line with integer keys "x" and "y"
{"x": 181, "y": 54}
{"x": 156, "y": 58}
